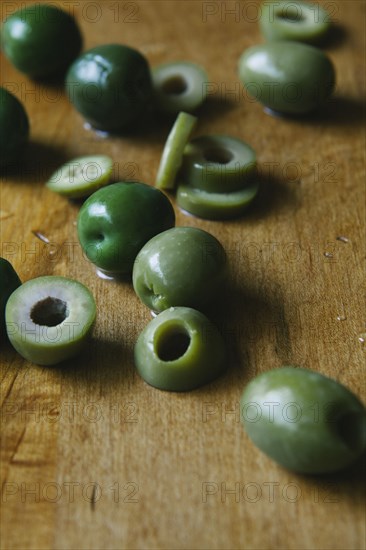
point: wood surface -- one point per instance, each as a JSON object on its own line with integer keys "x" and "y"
{"x": 92, "y": 457}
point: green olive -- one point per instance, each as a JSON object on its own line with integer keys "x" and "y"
{"x": 49, "y": 319}
{"x": 116, "y": 221}
{"x": 218, "y": 164}
{"x": 303, "y": 420}
{"x": 179, "y": 86}
{"x": 110, "y": 85}
{"x": 9, "y": 282}
{"x": 287, "y": 77}
{"x": 14, "y": 128}
{"x": 295, "y": 20}
{"x": 215, "y": 206}
{"x": 40, "y": 40}
{"x": 180, "y": 350}
{"x": 172, "y": 156}
{"x": 183, "y": 266}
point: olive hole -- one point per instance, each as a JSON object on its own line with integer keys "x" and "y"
{"x": 173, "y": 344}
{"x": 218, "y": 155}
{"x": 49, "y": 312}
{"x": 290, "y": 15}
{"x": 175, "y": 85}
{"x": 350, "y": 429}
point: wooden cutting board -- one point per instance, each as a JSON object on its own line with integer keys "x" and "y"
{"x": 92, "y": 457}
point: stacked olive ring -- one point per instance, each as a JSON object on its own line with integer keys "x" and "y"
{"x": 216, "y": 177}
{"x": 214, "y": 173}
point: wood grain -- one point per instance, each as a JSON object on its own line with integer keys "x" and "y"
{"x": 94, "y": 458}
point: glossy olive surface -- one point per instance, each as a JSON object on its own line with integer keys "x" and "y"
{"x": 116, "y": 221}
{"x": 14, "y": 128}
{"x": 303, "y": 420}
{"x": 215, "y": 206}
{"x": 41, "y": 40}
{"x": 216, "y": 163}
{"x": 182, "y": 266}
{"x": 9, "y": 281}
{"x": 49, "y": 319}
{"x": 110, "y": 85}
{"x": 295, "y": 20}
{"x": 180, "y": 350}
{"x": 288, "y": 77}
{"x": 179, "y": 86}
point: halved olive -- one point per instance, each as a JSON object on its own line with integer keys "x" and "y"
{"x": 49, "y": 319}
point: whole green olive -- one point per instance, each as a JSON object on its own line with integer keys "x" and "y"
{"x": 303, "y": 420}
{"x": 110, "y": 85}
{"x": 288, "y": 77}
{"x": 41, "y": 40}
{"x": 116, "y": 221}
{"x": 14, "y": 128}
{"x": 183, "y": 266}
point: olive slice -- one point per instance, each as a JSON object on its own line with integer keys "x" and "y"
{"x": 295, "y": 20}
{"x": 81, "y": 176}
{"x": 179, "y": 86}
{"x": 219, "y": 164}
{"x": 215, "y": 206}
{"x": 171, "y": 158}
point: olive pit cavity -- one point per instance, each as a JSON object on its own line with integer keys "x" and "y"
{"x": 218, "y": 155}
{"x": 173, "y": 344}
{"x": 290, "y": 15}
{"x": 49, "y": 312}
{"x": 175, "y": 85}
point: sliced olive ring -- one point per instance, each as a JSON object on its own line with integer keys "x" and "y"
{"x": 180, "y": 86}
{"x": 218, "y": 164}
{"x": 295, "y": 20}
{"x": 215, "y": 206}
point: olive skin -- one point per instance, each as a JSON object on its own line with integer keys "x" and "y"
{"x": 180, "y": 350}
{"x": 303, "y": 420}
{"x": 14, "y": 128}
{"x": 116, "y": 221}
{"x": 110, "y": 86}
{"x": 41, "y": 40}
{"x": 287, "y": 77}
{"x": 9, "y": 282}
{"x": 183, "y": 266}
